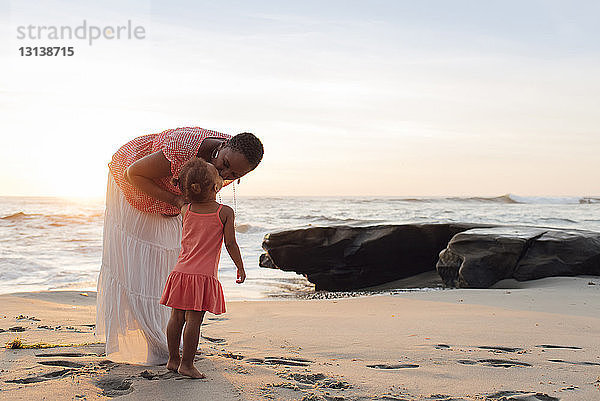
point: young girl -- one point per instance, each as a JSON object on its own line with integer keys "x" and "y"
{"x": 192, "y": 287}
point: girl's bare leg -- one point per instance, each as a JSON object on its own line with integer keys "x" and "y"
{"x": 191, "y": 335}
{"x": 174, "y": 329}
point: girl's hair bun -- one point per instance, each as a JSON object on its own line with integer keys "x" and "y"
{"x": 195, "y": 180}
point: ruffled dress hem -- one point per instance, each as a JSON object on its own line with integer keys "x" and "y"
{"x": 196, "y": 292}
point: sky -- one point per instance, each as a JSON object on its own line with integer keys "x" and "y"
{"x": 350, "y": 98}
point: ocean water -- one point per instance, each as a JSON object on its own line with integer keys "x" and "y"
{"x": 56, "y": 243}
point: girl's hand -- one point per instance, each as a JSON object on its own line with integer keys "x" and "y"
{"x": 241, "y": 276}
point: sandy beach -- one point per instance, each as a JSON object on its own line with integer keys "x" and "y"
{"x": 536, "y": 340}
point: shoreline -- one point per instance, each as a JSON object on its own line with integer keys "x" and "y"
{"x": 522, "y": 338}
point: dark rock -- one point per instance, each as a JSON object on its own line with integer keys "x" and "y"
{"x": 481, "y": 257}
{"x": 561, "y": 253}
{"x": 346, "y": 258}
{"x": 467, "y": 255}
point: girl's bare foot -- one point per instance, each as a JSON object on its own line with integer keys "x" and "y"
{"x": 190, "y": 371}
{"x": 173, "y": 364}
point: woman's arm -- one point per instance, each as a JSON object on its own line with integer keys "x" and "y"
{"x": 142, "y": 172}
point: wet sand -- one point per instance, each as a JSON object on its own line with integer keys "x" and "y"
{"x": 538, "y": 340}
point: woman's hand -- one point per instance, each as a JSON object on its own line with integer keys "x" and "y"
{"x": 178, "y": 202}
{"x": 241, "y": 276}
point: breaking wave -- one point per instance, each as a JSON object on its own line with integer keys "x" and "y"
{"x": 508, "y": 199}
{"x": 54, "y": 219}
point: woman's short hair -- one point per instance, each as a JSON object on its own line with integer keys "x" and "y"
{"x": 249, "y": 145}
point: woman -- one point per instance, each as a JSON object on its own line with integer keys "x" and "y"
{"x": 142, "y": 232}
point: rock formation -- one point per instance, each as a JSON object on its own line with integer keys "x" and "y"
{"x": 470, "y": 255}
{"x": 346, "y": 258}
{"x": 478, "y": 258}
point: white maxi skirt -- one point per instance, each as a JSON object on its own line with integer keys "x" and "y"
{"x": 139, "y": 251}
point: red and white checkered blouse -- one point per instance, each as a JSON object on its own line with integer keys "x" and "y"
{"x": 178, "y": 145}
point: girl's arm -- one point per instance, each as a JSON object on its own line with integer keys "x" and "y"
{"x": 141, "y": 175}
{"x": 231, "y": 245}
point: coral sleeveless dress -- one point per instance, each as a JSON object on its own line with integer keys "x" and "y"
{"x": 193, "y": 284}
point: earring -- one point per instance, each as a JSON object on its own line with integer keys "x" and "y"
{"x": 215, "y": 153}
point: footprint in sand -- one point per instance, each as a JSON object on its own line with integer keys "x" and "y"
{"x": 211, "y": 320}
{"x": 519, "y": 396}
{"x": 65, "y": 364}
{"x": 287, "y": 361}
{"x": 575, "y": 363}
{"x": 438, "y": 397}
{"x": 254, "y": 360}
{"x": 47, "y": 376}
{"x": 547, "y": 346}
{"x": 393, "y": 366}
{"x": 311, "y": 380}
{"x": 114, "y": 386}
{"x": 52, "y": 375}
{"x": 63, "y": 354}
{"x": 214, "y": 340}
{"x": 501, "y": 349}
{"x": 496, "y": 363}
